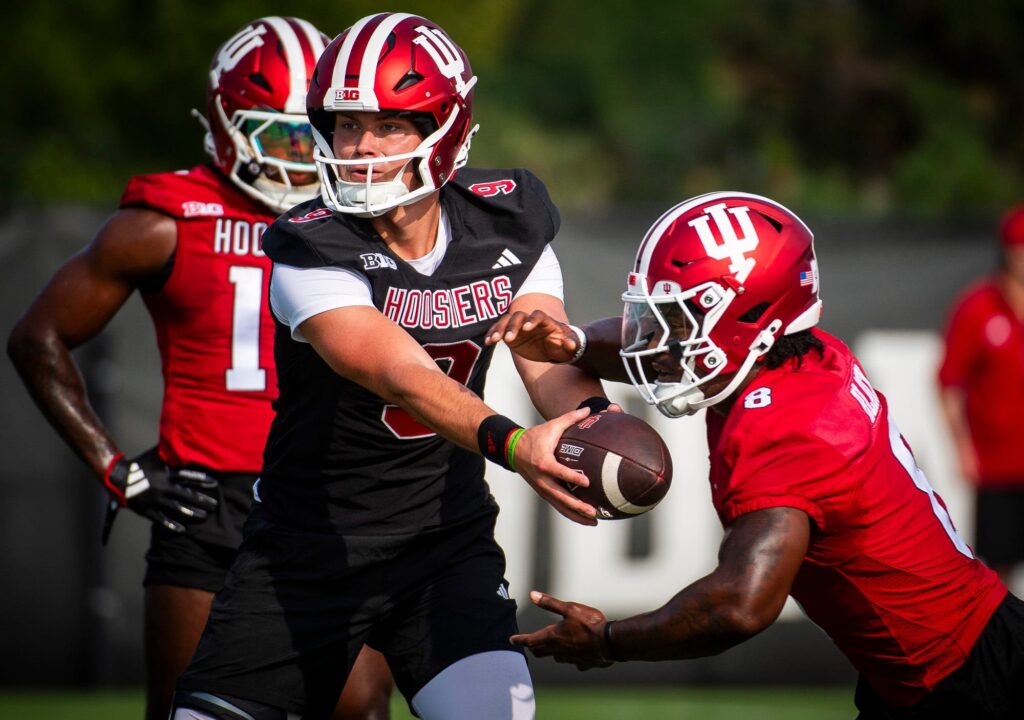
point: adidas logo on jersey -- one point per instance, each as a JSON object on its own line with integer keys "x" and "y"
{"x": 503, "y": 592}
{"x": 507, "y": 258}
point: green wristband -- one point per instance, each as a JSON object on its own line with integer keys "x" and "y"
{"x": 510, "y": 447}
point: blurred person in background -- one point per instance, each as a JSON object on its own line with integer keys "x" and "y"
{"x": 981, "y": 388}
{"x": 190, "y": 243}
{"x": 818, "y": 492}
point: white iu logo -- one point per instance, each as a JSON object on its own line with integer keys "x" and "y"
{"x": 236, "y": 48}
{"x": 732, "y": 247}
{"x": 445, "y": 55}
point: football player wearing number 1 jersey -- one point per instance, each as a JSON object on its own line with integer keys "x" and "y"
{"x": 190, "y": 243}
{"x": 815, "y": 486}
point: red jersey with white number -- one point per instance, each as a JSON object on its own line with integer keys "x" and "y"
{"x": 985, "y": 358}
{"x": 885, "y": 575}
{"x": 212, "y": 321}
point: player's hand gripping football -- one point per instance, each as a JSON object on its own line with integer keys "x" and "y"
{"x": 536, "y": 336}
{"x": 579, "y": 639}
{"x": 535, "y": 461}
{"x": 172, "y": 499}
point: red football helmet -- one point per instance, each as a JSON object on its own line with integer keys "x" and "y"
{"x": 716, "y": 280}
{"x": 257, "y": 130}
{"x": 401, "y": 63}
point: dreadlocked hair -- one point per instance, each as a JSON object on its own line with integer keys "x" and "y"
{"x": 786, "y": 347}
{"x": 792, "y": 346}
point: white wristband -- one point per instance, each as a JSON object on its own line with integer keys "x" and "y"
{"x": 581, "y": 342}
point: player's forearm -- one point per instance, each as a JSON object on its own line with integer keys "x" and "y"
{"x": 55, "y": 383}
{"x": 601, "y": 358}
{"x": 447, "y": 407}
{"x": 557, "y": 389}
{"x": 706, "y": 618}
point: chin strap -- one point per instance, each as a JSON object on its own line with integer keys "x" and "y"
{"x": 690, "y": 402}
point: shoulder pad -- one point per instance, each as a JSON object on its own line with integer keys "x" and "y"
{"x": 512, "y": 191}
{"x": 197, "y": 193}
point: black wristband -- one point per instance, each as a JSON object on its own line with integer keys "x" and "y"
{"x": 612, "y": 655}
{"x": 596, "y": 404}
{"x": 493, "y": 437}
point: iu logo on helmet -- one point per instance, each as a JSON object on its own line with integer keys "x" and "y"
{"x": 732, "y": 247}
{"x": 445, "y": 55}
{"x": 245, "y": 41}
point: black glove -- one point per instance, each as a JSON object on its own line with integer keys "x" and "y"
{"x": 145, "y": 485}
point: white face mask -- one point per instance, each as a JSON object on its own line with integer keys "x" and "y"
{"x": 383, "y": 195}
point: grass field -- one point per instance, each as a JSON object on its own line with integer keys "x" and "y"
{"x": 553, "y": 703}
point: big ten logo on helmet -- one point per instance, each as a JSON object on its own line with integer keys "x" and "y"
{"x": 374, "y": 261}
{"x": 238, "y": 237}
{"x": 494, "y": 187}
{"x": 447, "y": 308}
{"x": 245, "y": 41}
{"x": 346, "y": 95}
{"x": 444, "y": 54}
{"x": 732, "y": 247}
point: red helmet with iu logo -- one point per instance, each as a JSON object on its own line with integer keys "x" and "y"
{"x": 404, "y": 64}
{"x": 257, "y": 131}
{"x": 716, "y": 280}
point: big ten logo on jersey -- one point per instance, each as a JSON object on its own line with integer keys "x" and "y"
{"x": 864, "y": 394}
{"x": 375, "y": 261}
{"x": 731, "y": 247}
{"x": 448, "y": 308}
{"x": 238, "y": 237}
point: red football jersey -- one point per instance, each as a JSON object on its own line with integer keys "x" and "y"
{"x": 213, "y": 323}
{"x": 985, "y": 357}
{"x": 885, "y": 575}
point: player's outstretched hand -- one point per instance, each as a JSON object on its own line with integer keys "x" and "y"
{"x": 535, "y": 461}
{"x": 536, "y": 336}
{"x": 172, "y": 499}
{"x": 578, "y": 639}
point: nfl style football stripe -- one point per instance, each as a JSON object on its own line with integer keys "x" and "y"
{"x": 610, "y": 484}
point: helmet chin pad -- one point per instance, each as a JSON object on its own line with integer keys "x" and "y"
{"x": 383, "y": 195}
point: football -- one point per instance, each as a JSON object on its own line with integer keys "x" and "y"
{"x": 626, "y": 461}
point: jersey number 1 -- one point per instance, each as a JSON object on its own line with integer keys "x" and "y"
{"x": 245, "y": 373}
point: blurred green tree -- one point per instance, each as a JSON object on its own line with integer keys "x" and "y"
{"x": 868, "y": 107}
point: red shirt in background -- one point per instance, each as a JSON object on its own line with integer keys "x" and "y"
{"x": 984, "y": 356}
{"x": 885, "y": 575}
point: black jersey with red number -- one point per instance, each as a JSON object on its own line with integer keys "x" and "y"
{"x": 339, "y": 458}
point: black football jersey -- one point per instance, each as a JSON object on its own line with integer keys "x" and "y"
{"x": 341, "y": 459}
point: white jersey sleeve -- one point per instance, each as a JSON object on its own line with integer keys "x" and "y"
{"x": 546, "y": 276}
{"x": 297, "y": 294}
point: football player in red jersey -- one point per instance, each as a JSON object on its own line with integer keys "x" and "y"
{"x": 189, "y": 242}
{"x": 815, "y": 486}
{"x": 373, "y": 523}
{"x": 981, "y": 387}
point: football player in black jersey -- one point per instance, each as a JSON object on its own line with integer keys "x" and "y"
{"x": 373, "y": 522}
